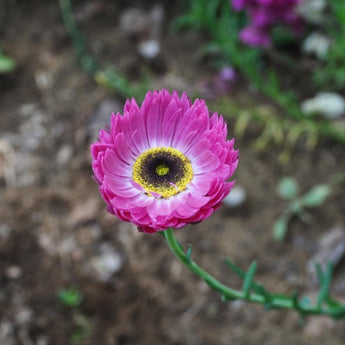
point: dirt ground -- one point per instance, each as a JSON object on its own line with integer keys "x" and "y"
{"x": 55, "y": 232}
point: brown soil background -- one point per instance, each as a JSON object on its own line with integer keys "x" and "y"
{"x": 55, "y": 221}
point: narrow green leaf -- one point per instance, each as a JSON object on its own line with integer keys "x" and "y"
{"x": 234, "y": 268}
{"x": 189, "y": 252}
{"x": 295, "y": 301}
{"x": 248, "y": 279}
{"x": 257, "y": 287}
{"x": 325, "y": 284}
{"x": 319, "y": 272}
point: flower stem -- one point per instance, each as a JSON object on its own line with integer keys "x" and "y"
{"x": 268, "y": 300}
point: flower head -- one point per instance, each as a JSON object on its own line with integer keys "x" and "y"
{"x": 263, "y": 15}
{"x": 164, "y": 164}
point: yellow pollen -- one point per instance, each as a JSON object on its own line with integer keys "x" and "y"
{"x": 162, "y": 170}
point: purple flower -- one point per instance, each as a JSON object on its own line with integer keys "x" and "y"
{"x": 263, "y": 16}
{"x": 254, "y": 36}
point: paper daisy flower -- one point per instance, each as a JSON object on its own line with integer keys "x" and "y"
{"x": 164, "y": 164}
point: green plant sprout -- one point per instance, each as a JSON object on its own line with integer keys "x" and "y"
{"x": 7, "y": 64}
{"x": 108, "y": 77}
{"x": 81, "y": 331}
{"x": 288, "y": 190}
{"x": 278, "y": 130}
{"x": 332, "y": 73}
{"x": 253, "y": 291}
{"x": 70, "y": 297}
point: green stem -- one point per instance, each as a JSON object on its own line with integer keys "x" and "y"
{"x": 270, "y": 301}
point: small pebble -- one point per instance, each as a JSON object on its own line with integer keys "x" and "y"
{"x": 13, "y": 272}
{"x": 149, "y": 49}
{"x": 107, "y": 263}
{"x": 236, "y": 197}
{"x": 329, "y": 105}
{"x": 317, "y": 44}
{"x": 64, "y": 155}
{"x": 312, "y": 11}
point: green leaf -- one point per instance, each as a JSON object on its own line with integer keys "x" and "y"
{"x": 280, "y": 229}
{"x": 325, "y": 281}
{"x": 70, "y": 297}
{"x": 6, "y": 64}
{"x": 236, "y": 269}
{"x": 189, "y": 252}
{"x": 287, "y": 188}
{"x": 316, "y": 196}
{"x": 248, "y": 279}
{"x": 257, "y": 287}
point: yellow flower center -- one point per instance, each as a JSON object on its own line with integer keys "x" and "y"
{"x": 162, "y": 170}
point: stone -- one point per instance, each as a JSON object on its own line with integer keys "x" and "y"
{"x": 312, "y": 11}
{"x": 149, "y": 49}
{"x": 330, "y": 248}
{"x": 23, "y": 316}
{"x": 134, "y": 22}
{"x": 327, "y": 104}
{"x": 107, "y": 263}
{"x": 13, "y": 272}
{"x": 64, "y": 155}
{"x": 317, "y": 44}
{"x": 7, "y": 162}
{"x": 7, "y": 333}
{"x": 236, "y": 197}
{"x": 5, "y": 231}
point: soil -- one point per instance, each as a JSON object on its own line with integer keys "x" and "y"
{"x": 54, "y": 228}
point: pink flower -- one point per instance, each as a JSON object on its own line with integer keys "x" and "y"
{"x": 164, "y": 164}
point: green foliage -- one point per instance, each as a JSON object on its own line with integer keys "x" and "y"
{"x": 7, "y": 64}
{"x": 108, "y": 77}
{"x": 288, "y": 189}
{"x": 70, "y": 297}
{"x": 81, "y": 331}
{"x": 276, "y": 130}
{"x": 253, "y": 291}
{"x": 223, "y": 25}
{"x": 189, "y": 252}
{"x": 248, "y": 279}
{"x": 280, "y": 228}
{"x": 316, "y": 196}
{"x": 332, "y": 74}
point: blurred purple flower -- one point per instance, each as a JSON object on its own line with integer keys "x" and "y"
{"x": 263, "y": 16}
{"x": 227, "y": 74}
{"x": 254, "y": 36}
{"x": 220, "y": 84}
